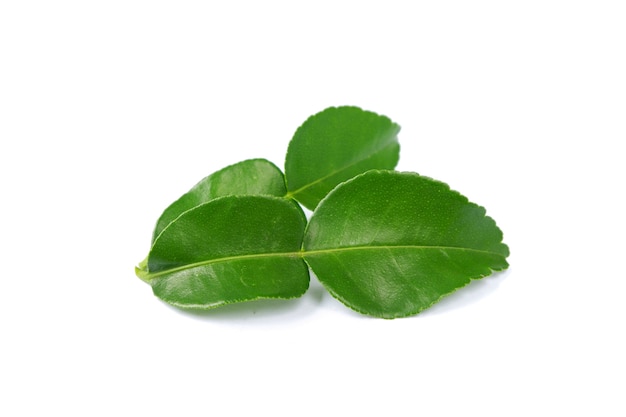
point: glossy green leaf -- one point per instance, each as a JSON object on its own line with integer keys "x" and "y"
{"x": 231, "y": 249}
{"x": 391, "y": 244}
{"x": 250, "y": 177}
{"x": 335, "y": 145}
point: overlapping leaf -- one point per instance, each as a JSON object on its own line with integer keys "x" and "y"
{"x": 250, "y": 177}
{"x": 233, "y": 248}
{"x": 391, "y": 244}
{"x": 335, "y": 145}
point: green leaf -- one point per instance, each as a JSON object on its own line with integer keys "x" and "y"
{"x": 250, "y": 177}
{"x": 231, "y": 249}
{"x": 335, "y": 145}
{"x": 391, "y": 244}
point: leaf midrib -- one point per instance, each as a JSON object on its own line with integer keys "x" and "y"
{"x": 304, "y": 253}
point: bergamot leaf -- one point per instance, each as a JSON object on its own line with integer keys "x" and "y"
{"x": 335, "y": 145}
{"x": 231, "y": 249}
{"x": 390, "y": 244}
{"x": 250, "y": 177}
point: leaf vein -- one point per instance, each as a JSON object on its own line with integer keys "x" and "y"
{"x": 290, "y": 194}
{"x": 303, "y": 253}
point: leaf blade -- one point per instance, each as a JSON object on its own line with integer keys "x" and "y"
{"x": 333, "y": 146}
{"x": 231, "y": 249}
{"x": 391, "y": 244}
{"x": 249, "y": 177}
{"x": 190, "y": 288}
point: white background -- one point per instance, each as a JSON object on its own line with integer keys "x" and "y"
{"x": 110, "y": 110}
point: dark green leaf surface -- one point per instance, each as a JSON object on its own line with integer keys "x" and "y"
{"x": 231, "y": 249}
{"x": 334, "y": 146}
{"x": 391, "y": 244}
{"x": 250, "y": 177}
